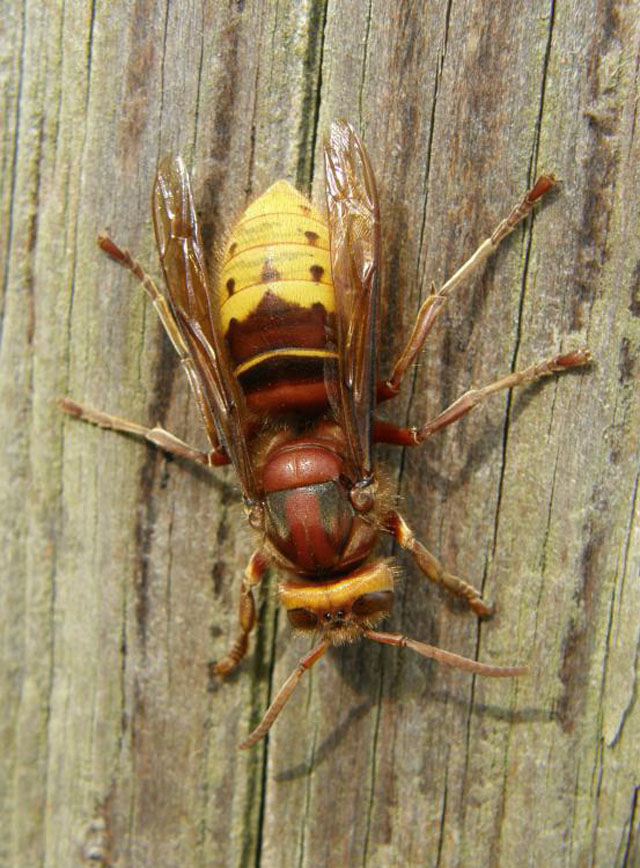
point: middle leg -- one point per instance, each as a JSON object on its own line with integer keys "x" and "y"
{"x": 386, "y": 432}
{"x": 158, "y": 436}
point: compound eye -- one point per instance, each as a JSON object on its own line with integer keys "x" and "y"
{"x": 302, "y": 619}
{"x": 375, "y": 603}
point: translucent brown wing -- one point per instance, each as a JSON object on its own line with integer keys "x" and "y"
{"x": 180, "y": 248}
{"x": 354, "y": 224}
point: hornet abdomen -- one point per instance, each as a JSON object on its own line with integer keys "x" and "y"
{"x": 276, "y": 302}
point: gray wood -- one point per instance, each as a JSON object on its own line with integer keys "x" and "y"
{"x": 121, "y": 569}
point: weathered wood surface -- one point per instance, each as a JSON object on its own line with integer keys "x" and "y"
{"x": 121, "y": 568}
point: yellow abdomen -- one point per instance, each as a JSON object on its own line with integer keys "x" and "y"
{"x": 276, "y": 302}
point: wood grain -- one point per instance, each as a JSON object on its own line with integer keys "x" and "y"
{"x": 121, "y": 568}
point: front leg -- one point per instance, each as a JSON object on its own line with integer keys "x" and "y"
{"x": 256, "y": 569}
{"x": 431, "y": 566}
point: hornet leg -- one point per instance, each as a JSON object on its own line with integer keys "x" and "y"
{"x": 432, "y": 568}
{"x": 256, "y": 568}
{"x": 156, "y": 435}
{"x": 435, "y": 301}
{"x": 387, "y": 432}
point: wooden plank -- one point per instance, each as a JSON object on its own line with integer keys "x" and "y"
{"x": 122, "y": 567}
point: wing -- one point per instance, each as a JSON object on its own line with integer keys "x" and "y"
{"x": 354, "y": 225}
{"x": 180, "y": 248}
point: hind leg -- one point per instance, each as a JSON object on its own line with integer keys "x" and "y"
{"x": 435, "y": 301}
{"x": 156, "y": 435}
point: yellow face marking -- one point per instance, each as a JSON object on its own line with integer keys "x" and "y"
{"x": 377, "y": 576}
